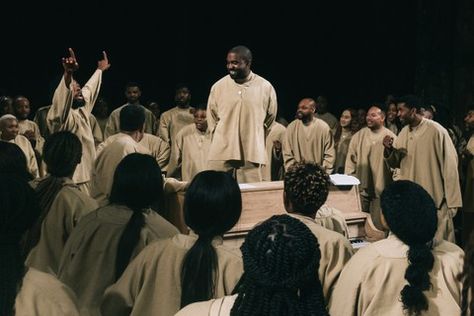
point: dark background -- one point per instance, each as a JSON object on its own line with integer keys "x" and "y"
{"x": 353, "y": 52}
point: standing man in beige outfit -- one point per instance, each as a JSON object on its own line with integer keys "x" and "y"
{"x": 241, "y": 108}
{"x": 71, "y": 109}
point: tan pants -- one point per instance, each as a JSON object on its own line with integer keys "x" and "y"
{"x": 243, "y": 172}
{"x": 445, "y": 224}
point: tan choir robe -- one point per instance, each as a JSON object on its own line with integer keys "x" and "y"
{"x": 371, "y": 281}
{"x": 468, "y": 198}
{"x": 27, "y": 125}
{"x": 189, "y": 153}
{"x": 25, "y": 146}
{"x": 69, "y": 206}
{"x": 342, "y": 148}
{"x": 62, "y": 117}
{"x": 336, "y": 250}
{"x": 366, "y": 162}
{"x": 215, "y": 307}
{"x": 275, "y": 133}
{"x": 238, "y": 116}
{"x": 137, "y": 291}
{"x": 42, "y": 294}
{"x": 156, "y": 146}
{"x": 106, "y": 162}
{"x": 173, "y": 121}
{"x": 41, "y": 120}
{"x": 96, "y": 131}
{"x": 113, "y": 123}
{"x": 332, "y": 219}
{"x": 88, "y": 262}
{"x": 312, "y": 143}
{"x": 426, "y": 155}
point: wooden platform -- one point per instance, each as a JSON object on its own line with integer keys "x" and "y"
{"x": 264, "y": 199}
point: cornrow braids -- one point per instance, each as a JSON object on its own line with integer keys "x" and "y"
{"x": 410, "y": 213}
{"x": 281, "y": 259}
{"x": 306, "y": 186}
{"x": 467, "y": 278}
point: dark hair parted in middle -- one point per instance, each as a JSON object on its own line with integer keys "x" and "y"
{"x": 212, "y": 206}
{"x": 137, "y": 184}
{"x": 410, "y": 213}
{"x": 306, "y": 187}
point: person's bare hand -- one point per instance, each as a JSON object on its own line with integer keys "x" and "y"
{"x": 103, "y": 64}
{"x": 70, "y": 63}
{"x": 388, "y": 142}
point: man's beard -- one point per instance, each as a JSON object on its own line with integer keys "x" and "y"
{"x": 77, "y": 103}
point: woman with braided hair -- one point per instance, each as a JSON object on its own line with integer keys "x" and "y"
{"x": 107, "y": 239}
{"x": 280, "y": 257}
{"x": 410, "y": 272}
{"x": 174, "y": 272}
{"x": 62, "y": 203}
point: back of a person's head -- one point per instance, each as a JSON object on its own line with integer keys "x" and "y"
{"x": 281, "y": 261}
{"x": 13, "y": 161}
{"x": 410, "y": 214}
{"x": 411, "y": 101}
{"x": 137, "y": 184}
{"x": 212, "y": 206}
{"x": 18, "y": 211}
{"x": 62, "y": 153}
{"x": 132, "y": 118}
{"x": 306, "y": 186}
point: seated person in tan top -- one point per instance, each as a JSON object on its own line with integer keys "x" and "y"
{"x": 306, "y": 187}
{"x": 25, "y": 292}
{"x": 280, "y": 257}
{"x": 172, "y": 273}
{"x": 106, "y": 240}
{"x": 410, "y": 272}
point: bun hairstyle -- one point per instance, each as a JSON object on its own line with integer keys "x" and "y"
{"x": 410, "y": 213}
{"x": 281, "y": 259}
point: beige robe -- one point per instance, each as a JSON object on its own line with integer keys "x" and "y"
{"x": 27, "y": 125}
{"x": 332, "y": 219}
{"x": 468, "y": 200}
{"x": 69, "y": 206}
{"x": 107, "y": 160}
{"x": 96, "y": 130}
{"x": 215, "y": 307}
{"x": 62, "y": 117}
{"x": 42, "y": 294}
{"x": 312, "y": 143}
{"x": 426, "y": 155}
{"x": 173, "y": 121}
{"x": 336, "y": 250}
{"x": 341, "y": 151}
{"x": 41, "y": 120}
{"x": 88, "y": 262}
{"x": 151, "y": 283}
{"x": 189, "y": 153}
{"x": 371, "y": 282}
{"x": 25, "y": 146}
{"x": 238, "y": 116}
{"x": 275, "y": 133}
{"x": 113, "y": 123}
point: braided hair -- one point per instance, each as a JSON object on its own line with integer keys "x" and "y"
{"x": 281, "y": 259}
{"x": 137, "y": 184}
{"x": 467, "y": 278}
{"x": 410, "y": 213}
{"x": 212, "y": 206}
{"x": 306, "y": 187}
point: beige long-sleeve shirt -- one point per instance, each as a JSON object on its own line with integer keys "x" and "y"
{"x": 336, "y": 250}
{"x": 312, "y": 143}
{"x": 88, "y": 262}
{"x": 238, "y": 116}
{"x": 371, "y": 282}
{"x": 189, "y": 153}
{"x": 366, "y": 162}
{"x": 173, "y": 121}
{"x": 113, "y": 123}
{"x": 69, "y": 206}
{"x": 62, "y": 117}
{"x": 151, "y": 283}
{"x": 275, "y": 133}
{"x": 42, "y": 294}
{"x": 426, "y": 155}
{"x": 27, "y": 125}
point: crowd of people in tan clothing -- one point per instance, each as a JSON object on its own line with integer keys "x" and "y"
{"x": 82, "y": 204}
